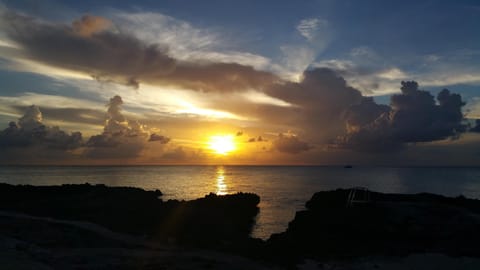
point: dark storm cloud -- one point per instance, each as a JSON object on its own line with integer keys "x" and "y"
{"x": 363, "y": 113}
{"x": 326, "y": 110}
{"x": 319, "y": 101}
{"x": 319, "y": 88}
{"x": 29, "y": 131}
{"x": 414, "y": 116}
{"x": 290, "y": 143}
{"x": 92, "y": 45}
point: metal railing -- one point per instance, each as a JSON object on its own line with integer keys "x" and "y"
{"x": 358, "y": 195}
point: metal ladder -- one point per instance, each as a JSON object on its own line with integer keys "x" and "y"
{"x": 358, "y": 195}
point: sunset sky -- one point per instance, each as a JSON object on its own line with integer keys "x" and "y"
{"x": 240, "y": 82}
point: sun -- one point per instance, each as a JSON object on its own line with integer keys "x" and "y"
{"x": 222, "y": 144}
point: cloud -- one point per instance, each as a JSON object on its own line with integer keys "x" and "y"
{"x": 375, "y": 74}
{"x": 325, "y": 104}
{"x": 178, "y": 154}
{"x": 71, "y": 113}
{"x": 104, "y": 53}
{"x": 30, "y": 140}
{"x": 31, "y": 119}
{"x": 364, "y": 53}
{"x": 88, "y": 25}
{"x": 412, "y": 117}
{"x": 363, "y": 113}
{"x": 158, "y": 138}
{"x": 290, "y": 143}
{"x": 30, "y": 132}
{"x": 298, "y": 56}
{"x": 415, "y": 116}
{"x": 185, "y": 41}
{"x": 476, "y": 128}
{"x": 116, "y": 123}
{"x": 327, "y": 111}
{"x": 181, "y": 36}
{"x": 392, "y": 74}
{"x": 102, "y": 141}
{"x": 452, "y": 77}
{"x": 121, "y": 138}
{"x": 367, "y": 77}
{"x": 318, "y": 100}
{"x": 243, "y": 58}
{"x": 317, "y": 104}
{"x": 258, "y": 139}
{"x": 74, "y": 116}
{"x": 309, "y": 28}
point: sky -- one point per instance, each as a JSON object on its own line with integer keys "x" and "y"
{"x": 379, "y": 83}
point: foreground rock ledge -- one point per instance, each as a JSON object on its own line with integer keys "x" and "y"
{"x": 329, "y": 232}
{"x": 209, "y": 221}
{"x": 383, "y": 224}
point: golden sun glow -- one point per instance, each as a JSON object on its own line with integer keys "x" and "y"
{"x": 222, "y": 144}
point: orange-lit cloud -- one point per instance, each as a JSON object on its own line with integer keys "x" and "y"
{"x": 88, "y": 25}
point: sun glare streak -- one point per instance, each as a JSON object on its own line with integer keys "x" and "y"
{"x": 222, "y": 144}
{"x": 8, "y": 44}
{"x": 262, "y": 98}
{"x": 189, "y": 108}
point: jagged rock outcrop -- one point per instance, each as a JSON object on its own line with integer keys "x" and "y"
{"x": 210, "y": 221}
{"x": 387, "y": 224}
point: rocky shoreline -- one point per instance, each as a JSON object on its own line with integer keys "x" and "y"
{"x": 383, "y": 225}
{"x": 99, "y": 227}
{"x": 208, "y": 221}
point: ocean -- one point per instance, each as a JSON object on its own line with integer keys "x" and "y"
{"x": 283, "y": 189}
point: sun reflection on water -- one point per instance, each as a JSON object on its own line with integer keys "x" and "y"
{"x": 222, "y": 188}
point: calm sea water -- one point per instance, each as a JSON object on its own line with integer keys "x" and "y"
{"x": 283, "y": 190}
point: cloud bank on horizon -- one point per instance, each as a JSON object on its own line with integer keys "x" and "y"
{"x": 305, "y": 108}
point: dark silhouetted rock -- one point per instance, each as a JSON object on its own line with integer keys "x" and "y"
{"x": 389, "y": 224}
{"x": 211, "y": 221}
